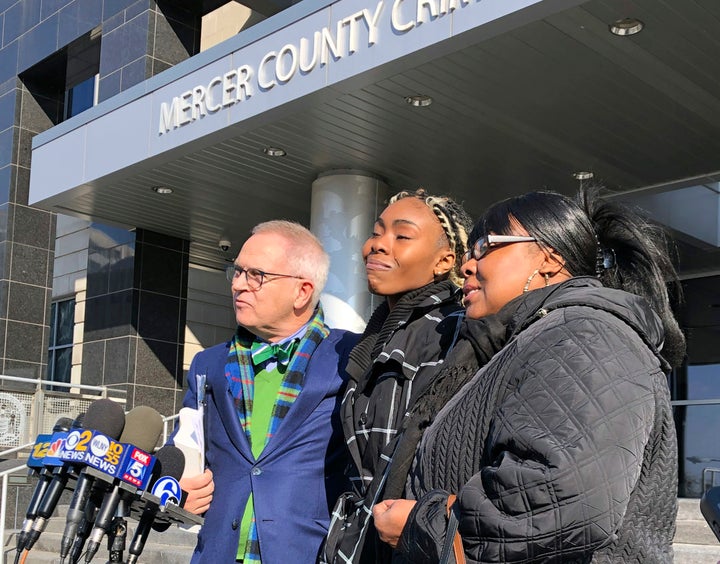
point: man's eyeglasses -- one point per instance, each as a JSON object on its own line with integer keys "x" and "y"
{"x": 253, "y": 276}
{"x": 484, "y": 244}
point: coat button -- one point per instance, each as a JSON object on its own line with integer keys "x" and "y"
{"x": 235, "y": 524}
{"x": 363, "y": 418}
{"x": 256, "y": 471}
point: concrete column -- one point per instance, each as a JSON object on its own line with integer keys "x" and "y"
{"x": 345, "y": 204}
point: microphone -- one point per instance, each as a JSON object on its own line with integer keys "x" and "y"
{"x": 43, "y": 444}
{"x": 104, "y": 417}
{"x": 169, "y": 466}
{"x": 86, "y": 523}
{"x": 143, "y": 427}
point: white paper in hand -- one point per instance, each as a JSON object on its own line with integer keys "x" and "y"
{"x": 189, "y": 439}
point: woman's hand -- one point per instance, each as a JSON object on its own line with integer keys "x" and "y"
{"x": 200, "y": 490}
{"x": 390, "y": 517}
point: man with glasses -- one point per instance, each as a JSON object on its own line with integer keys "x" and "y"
{"x": 274, "y": 449}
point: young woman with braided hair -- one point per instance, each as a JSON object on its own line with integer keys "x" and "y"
{"x": 412, "y": 259}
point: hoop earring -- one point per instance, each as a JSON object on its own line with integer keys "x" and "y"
{"x": 527, "y": 284}
{"x": 547, "y": 279}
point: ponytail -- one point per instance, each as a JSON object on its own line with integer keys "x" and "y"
{"x": 602, "y": 238}
{"x": 636, "y": 255}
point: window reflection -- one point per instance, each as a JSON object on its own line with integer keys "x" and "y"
{"x": 698, "y": 429}
{"x": 62, "y": 322}
{"x": 80, "y": 97}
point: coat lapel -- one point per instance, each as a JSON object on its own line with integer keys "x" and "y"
{"x": 225, "y": 405}
{"x": 316, "y": 385}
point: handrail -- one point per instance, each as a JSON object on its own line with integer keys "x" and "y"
{"x": 712, "y": 472}
{"x": 4, "y": 475}
{"x": 32, "y": 400}
{"x": 167, "y": 420}
{"x": 13, "y": 450}
{"x": 675, "y": 403}
{"x": 104, "y": 390}
{"x": 3, "y": 505}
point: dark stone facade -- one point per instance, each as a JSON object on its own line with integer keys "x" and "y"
{"x": 135, "y": 315}
{"x": 136, "y": 295}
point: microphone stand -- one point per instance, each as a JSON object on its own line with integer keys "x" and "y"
{"x": 118, "y": 535}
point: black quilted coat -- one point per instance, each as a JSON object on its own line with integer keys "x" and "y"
{"x": 563, "y": 447}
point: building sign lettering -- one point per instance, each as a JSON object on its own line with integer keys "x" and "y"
{"x": 352, "y": 33}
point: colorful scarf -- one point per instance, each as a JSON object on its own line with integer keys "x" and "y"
{"x": 240, "y": 374}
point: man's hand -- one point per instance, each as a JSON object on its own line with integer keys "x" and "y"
{"x": 200, "y": 490}
{"x": 390, "y": 517}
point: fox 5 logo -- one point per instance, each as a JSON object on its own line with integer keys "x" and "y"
{"x": 168, "y": 490}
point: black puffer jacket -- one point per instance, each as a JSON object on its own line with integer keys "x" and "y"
{"x": 562, "y": 447}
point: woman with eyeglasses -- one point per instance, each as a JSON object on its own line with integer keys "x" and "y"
{"x": 411, "y": 259}
{"x": 562, "y": 448}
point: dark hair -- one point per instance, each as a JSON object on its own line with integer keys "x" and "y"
{"x": 602, "y": 238}
{"x": 454, "y": 220}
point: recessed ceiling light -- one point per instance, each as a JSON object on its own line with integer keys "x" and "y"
{"x": 162, "y": 189}
{"x": 626, "y": 26}
{"x": 418, "y": 100}
{"x": 274, "y": 152}
{"x": 583, "y": 175}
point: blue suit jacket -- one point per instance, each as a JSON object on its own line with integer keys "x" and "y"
{"x": 299, "y": 474}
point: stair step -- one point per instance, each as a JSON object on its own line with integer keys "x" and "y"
{"x": 696, "y": 553}
{"x": 156, "y": 552}
{"x": 695, "y": 532}
{"x": 694, "y": 542}
{"x": 173, "y": 535}
{"x": 173, "y": 546}
{"x": 149, "y": 556}
{"x": 689, "y": 509}
{"x": 47, "y": 549}
{"x": 35, "y": 558}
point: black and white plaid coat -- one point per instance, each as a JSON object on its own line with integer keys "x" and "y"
{"x": 377, "y": 401}
{"x": 409, "y": 360}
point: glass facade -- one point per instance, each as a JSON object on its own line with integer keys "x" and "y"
{"x": 62, "y": 323}
{"x": 695, "y": 388}
{"x": 80, "y": 97}
{"x": 698, "y": 420}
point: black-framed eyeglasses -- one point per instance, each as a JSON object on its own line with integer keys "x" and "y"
{"x": 484, "y": 244}
{"x": 253, "y": 276}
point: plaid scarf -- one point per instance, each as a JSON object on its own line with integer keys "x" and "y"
{"x": 240, "y": 374}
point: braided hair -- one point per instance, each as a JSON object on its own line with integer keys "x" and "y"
{"x": 454, "y": 220}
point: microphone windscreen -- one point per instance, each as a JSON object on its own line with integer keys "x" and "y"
{"x": 105, "y": 416}
{"x": 171, "y": 462}
{"x": 143, "y": 427}
{"x": 79, "y": 421}
{"x": 62, "y": 424}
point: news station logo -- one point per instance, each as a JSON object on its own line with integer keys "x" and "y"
{"x": 104, "y": 454}
{"x": 39, "y": 450}
{"x": 138, "y": 468}
{"x": 54, "y": 447}
{"x": 99, "y": 445}
{"x": 168, "y": 490}
{"x": 75, "y": 446}
{"x": 73, "y": 439}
